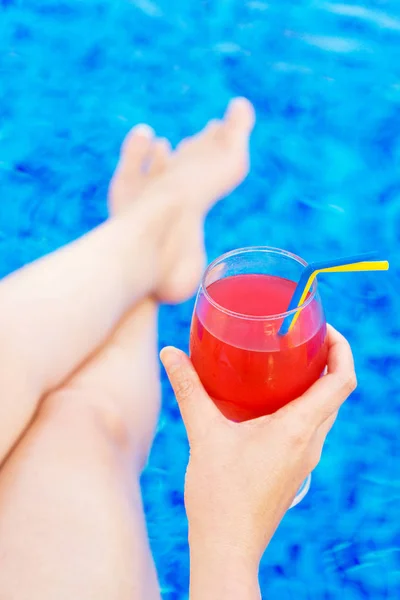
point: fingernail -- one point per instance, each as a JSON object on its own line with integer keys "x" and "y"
{"x": 144, "y": 130}
{"x": 171, "y": 358}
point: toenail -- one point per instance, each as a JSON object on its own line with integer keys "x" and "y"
{"x": 144, "y": 130}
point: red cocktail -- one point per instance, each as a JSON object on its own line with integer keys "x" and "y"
{"x": 245, "y": 365}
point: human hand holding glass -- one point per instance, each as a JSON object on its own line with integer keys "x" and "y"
{"x": 245, "y": 365}
{"x": 258, "y": 337}
{"x": 242, "y": 477}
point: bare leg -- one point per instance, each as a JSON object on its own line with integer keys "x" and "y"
{"x": 56, "y": 312}
{"x": 71, "y": 515}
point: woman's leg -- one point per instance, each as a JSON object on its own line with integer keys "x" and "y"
{"x": 99, "y": 428}
{"x": 71, "y": 515}
{"x": 56, "y": 312}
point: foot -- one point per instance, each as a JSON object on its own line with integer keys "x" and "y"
{"x": 178, "y": 190}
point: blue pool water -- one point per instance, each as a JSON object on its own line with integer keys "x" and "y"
{"x": 325, "y": 80}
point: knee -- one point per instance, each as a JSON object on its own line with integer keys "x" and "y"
{"x": 70, "y": 410}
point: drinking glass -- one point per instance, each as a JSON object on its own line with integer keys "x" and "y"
{"x": 247, "y": 367}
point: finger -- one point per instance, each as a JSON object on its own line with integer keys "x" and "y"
{"x": 326, "y": 396}
{"x": 340, "y": 355}
{"x": 197, "y": 408}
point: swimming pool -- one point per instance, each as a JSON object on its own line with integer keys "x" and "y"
{"x": 325, "y": 81}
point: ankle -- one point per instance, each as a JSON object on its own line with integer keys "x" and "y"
{"x": 139, "y": 246}
{"x": 156, "y": 217}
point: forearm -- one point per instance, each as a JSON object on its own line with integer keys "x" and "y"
{"x": 219, "y": 572}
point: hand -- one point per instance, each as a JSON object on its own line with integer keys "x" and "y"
{"x": 242, "y": 477}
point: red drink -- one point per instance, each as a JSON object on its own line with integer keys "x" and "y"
{"x": 246, "y": 367}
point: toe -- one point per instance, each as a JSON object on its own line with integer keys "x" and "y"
{"x": 213, "y": 127}
{"x": 159, "y": 155}
{"x": 128, "y": 178}
{"x": 135, "y": 150}
{"x": 183, "y": 144}
{"x": 239, "y": 117}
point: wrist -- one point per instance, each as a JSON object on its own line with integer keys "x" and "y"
{"x": 219, "y": 570}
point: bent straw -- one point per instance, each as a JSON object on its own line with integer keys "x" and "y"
{"x": 360, "y": 262}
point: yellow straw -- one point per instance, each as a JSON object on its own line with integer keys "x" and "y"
{"x": 378, "y": 265}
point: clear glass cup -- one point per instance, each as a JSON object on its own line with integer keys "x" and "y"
{"x": 245, "y": 365}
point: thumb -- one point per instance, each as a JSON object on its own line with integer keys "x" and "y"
{"x": 196, "y": 406}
